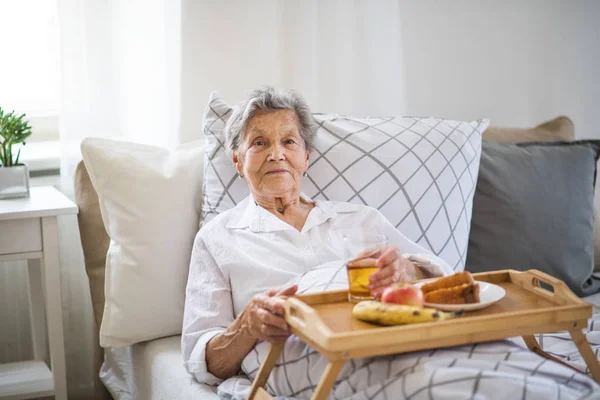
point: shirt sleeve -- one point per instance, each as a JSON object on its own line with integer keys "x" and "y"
{"x": 208, "y": 311}
{"x": 414, "y": 252}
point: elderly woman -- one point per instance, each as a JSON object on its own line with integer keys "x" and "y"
{"x": 243, "y": 258}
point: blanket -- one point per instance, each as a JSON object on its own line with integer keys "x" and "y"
{"x": 494, "y": 370}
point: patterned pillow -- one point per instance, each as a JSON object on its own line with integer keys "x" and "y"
{"x": 419, "y": 172}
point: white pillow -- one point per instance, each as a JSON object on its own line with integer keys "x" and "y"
{"x": 420, "y": 173}
{"x": 150, "y": 203}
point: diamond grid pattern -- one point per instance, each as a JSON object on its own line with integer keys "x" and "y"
{"x": 469, "y": 371}
{"x": 436, "y": 158}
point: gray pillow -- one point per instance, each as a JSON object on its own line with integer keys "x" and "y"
{"x": 534, "y": 209}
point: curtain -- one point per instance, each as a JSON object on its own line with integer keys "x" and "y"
{"x": 143, "y": 70}
{"x": 120, "y": 73}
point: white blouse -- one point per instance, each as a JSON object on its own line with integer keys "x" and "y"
{"x": 247, "y": 250}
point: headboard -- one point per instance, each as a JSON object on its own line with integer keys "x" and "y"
{"x": 94, "y": 239}
{"x": 95, "y": 242}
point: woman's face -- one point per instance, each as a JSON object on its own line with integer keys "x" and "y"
{"x": 272, "y": 156}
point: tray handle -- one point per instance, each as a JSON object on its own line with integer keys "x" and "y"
{"x": 539, "y": 282}
{"x": 302, "y": 317}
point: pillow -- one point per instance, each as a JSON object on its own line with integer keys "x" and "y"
{"x": 559, "y": 129}
{"x": 533, "y": 208}
{"x": 419, "y": 172}
{"x": 150, "y": 202}
{"x": 556, "y": 130}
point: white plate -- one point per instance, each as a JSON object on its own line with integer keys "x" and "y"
{"x": 488, "y": 295}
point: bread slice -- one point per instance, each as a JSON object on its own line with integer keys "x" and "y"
{"x": 456, "y": 279}
{"x": 467, "y": 293}
{"x": 459, "y": 288}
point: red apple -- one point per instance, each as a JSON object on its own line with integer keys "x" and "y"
{"x": 409, "y": 295}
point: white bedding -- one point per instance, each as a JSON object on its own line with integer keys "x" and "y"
{"x": 151, "y": 371}
{"x": 154, "y": 370}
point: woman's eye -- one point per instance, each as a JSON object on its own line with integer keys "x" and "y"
{"x": 290, "y": 141}
{"x": 259, "y": 143}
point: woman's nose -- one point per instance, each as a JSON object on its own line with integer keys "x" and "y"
{"x": 276, "y": 152}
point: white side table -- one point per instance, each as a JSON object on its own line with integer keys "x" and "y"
{"x": 29, "y": 231}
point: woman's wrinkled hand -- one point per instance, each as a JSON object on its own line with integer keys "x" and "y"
{"x": 392, "y": 268}
{"x": 264, "y": 315}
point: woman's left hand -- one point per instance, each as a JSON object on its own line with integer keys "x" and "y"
{"x": 393, "y": 268}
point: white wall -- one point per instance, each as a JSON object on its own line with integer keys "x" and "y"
{"x": 515, "y": 62}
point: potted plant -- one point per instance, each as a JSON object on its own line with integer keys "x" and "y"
{"x": 14, "y": 176}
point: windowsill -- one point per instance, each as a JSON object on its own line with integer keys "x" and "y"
{"x": 41, "y": 156}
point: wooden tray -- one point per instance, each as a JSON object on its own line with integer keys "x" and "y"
{"x": 534, "y": 303}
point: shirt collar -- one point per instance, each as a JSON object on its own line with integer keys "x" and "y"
{"x": 248, "y": 214}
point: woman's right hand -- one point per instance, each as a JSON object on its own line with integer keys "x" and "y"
{"x": 263, "y": 317}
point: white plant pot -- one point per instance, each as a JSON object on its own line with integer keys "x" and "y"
{"x": 14, "y": 182}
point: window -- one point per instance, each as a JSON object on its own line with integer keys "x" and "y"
{"x": 30, "y": 63}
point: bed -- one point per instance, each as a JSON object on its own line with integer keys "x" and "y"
{"x": 154, "y": 369}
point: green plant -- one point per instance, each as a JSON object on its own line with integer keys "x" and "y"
{"x": 14, "y": 129}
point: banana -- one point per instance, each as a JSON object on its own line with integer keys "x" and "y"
{"x": 396, "y": 314}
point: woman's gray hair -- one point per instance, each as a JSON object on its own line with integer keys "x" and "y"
{"x": 269, "y": 99}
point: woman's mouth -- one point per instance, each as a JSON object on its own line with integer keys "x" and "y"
{"x": 276, "y": 171}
